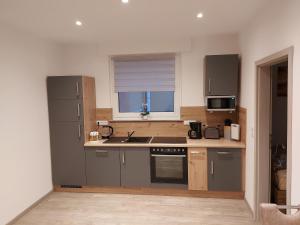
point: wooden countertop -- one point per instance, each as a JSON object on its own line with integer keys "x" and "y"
{"x": 201, "y": 143}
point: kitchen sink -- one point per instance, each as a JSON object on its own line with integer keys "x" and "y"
{"x": 139, "y": 140}
{"x": 120, "y": 140}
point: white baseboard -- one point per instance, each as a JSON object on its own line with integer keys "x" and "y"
{"x": 14, "y": 220}
{"x": 250, "y": 209}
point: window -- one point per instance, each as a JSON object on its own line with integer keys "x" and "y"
{"x": 145, "y": 83}
{"x": 160, "y": 101}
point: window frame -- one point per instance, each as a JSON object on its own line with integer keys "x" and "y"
{"x": 153, "y": 115}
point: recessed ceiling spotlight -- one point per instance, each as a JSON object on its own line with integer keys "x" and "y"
{"x": 78, "y": 23}
{"x": 125, "y": 1}
{"x": 200, "y": 15}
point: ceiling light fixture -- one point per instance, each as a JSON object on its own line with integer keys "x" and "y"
{"x": 78, "y": 23}
{"x": 125, "y": 1}
{"x": 200, "y": 15}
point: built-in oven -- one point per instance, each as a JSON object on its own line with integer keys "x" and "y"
{"x": 169, "y": 165}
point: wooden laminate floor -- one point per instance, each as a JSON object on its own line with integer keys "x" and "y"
{"x": 121, "y": 209}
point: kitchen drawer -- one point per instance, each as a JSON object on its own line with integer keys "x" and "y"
{"x": 103, "y": 167}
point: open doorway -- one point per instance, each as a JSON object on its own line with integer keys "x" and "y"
{"x": 273, "y": 129}
{"x": 278, "y": 143}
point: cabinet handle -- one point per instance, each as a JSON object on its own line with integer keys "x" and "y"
{"x": 101, "y": 151}
{"x": 79, "y": 131}
{"x": 77, "y": 88}
{"x": 123, "y": 158}
{"x": 194, "y": 152}
{"x": 78, "y": 110}
{"x": 224, "y": 153}
{"x": 209, "y": 85}
{"x": 169, "y": 156}
{"x": 212, "y": 169}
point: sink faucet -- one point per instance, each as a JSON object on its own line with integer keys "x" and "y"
{"x": 129, "y": 135}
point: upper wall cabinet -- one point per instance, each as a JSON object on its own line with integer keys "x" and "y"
{"x": 221, "y": 75}
{"x": 65, "y": 87}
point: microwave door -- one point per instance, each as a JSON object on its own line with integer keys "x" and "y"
{"x": 219, "y": 103}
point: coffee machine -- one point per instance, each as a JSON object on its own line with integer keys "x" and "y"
{"x": 195, "y": 132}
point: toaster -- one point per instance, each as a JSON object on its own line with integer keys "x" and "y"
{"x": 212, "y": 133}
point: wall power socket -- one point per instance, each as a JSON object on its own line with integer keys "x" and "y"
{"x": 187, "y": 122}
{"x": 102, "y": 122}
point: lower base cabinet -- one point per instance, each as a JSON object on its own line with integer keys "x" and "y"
{"x": 224, "y": 169}
{"x": 197, "y": 169}
{"x": 103, "y": 167}
{"x": 115, "y": 167}
{"x": 135, "y": 169}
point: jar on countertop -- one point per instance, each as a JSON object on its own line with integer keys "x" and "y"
{"x": 94, "y": 136}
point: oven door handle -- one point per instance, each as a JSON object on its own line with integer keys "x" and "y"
{"x": 175, "y": 156}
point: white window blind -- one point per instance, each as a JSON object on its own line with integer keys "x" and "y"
{"x": 140, "y": 74}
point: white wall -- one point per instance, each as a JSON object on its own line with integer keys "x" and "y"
{"x": 192, "y": 65}
{"x": 25, "y": 169}
{"x": 271, "y": 31}
{"x": 94, "y": 60}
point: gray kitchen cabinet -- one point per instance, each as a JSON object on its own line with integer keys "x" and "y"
{"x": 69, "y": 126}
{"x": 64, "y": 87}
{"x": 135, "y": 167}
{"x": 67, "y": 154}
{"x": 221, "y": 75}
{"x": 224, "y": 169}
{"x": 103, "y": 167}
{"x": 126, "y": 167}
{"x": 65, "y": 110}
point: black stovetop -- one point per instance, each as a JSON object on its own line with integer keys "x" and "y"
{"x": 169, "y": 140}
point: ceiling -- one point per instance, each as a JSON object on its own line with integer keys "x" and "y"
{"x": 107, "y": 20}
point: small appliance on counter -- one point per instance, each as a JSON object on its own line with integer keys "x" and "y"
{"x": 212, "y": 133}
{"x": 235, "y": 132}
{"x": 195, "y": 132}
{"x": 227, "y": 129}
{"x": 106, "y": 132}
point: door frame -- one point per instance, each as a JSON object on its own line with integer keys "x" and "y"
{"x": 262, "y": 129}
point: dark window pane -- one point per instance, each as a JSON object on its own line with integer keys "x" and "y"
{"x": 162, "y": 101}
{"x": 131, "y": 101}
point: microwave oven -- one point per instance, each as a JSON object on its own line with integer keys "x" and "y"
{"x": 221, "y": 103}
